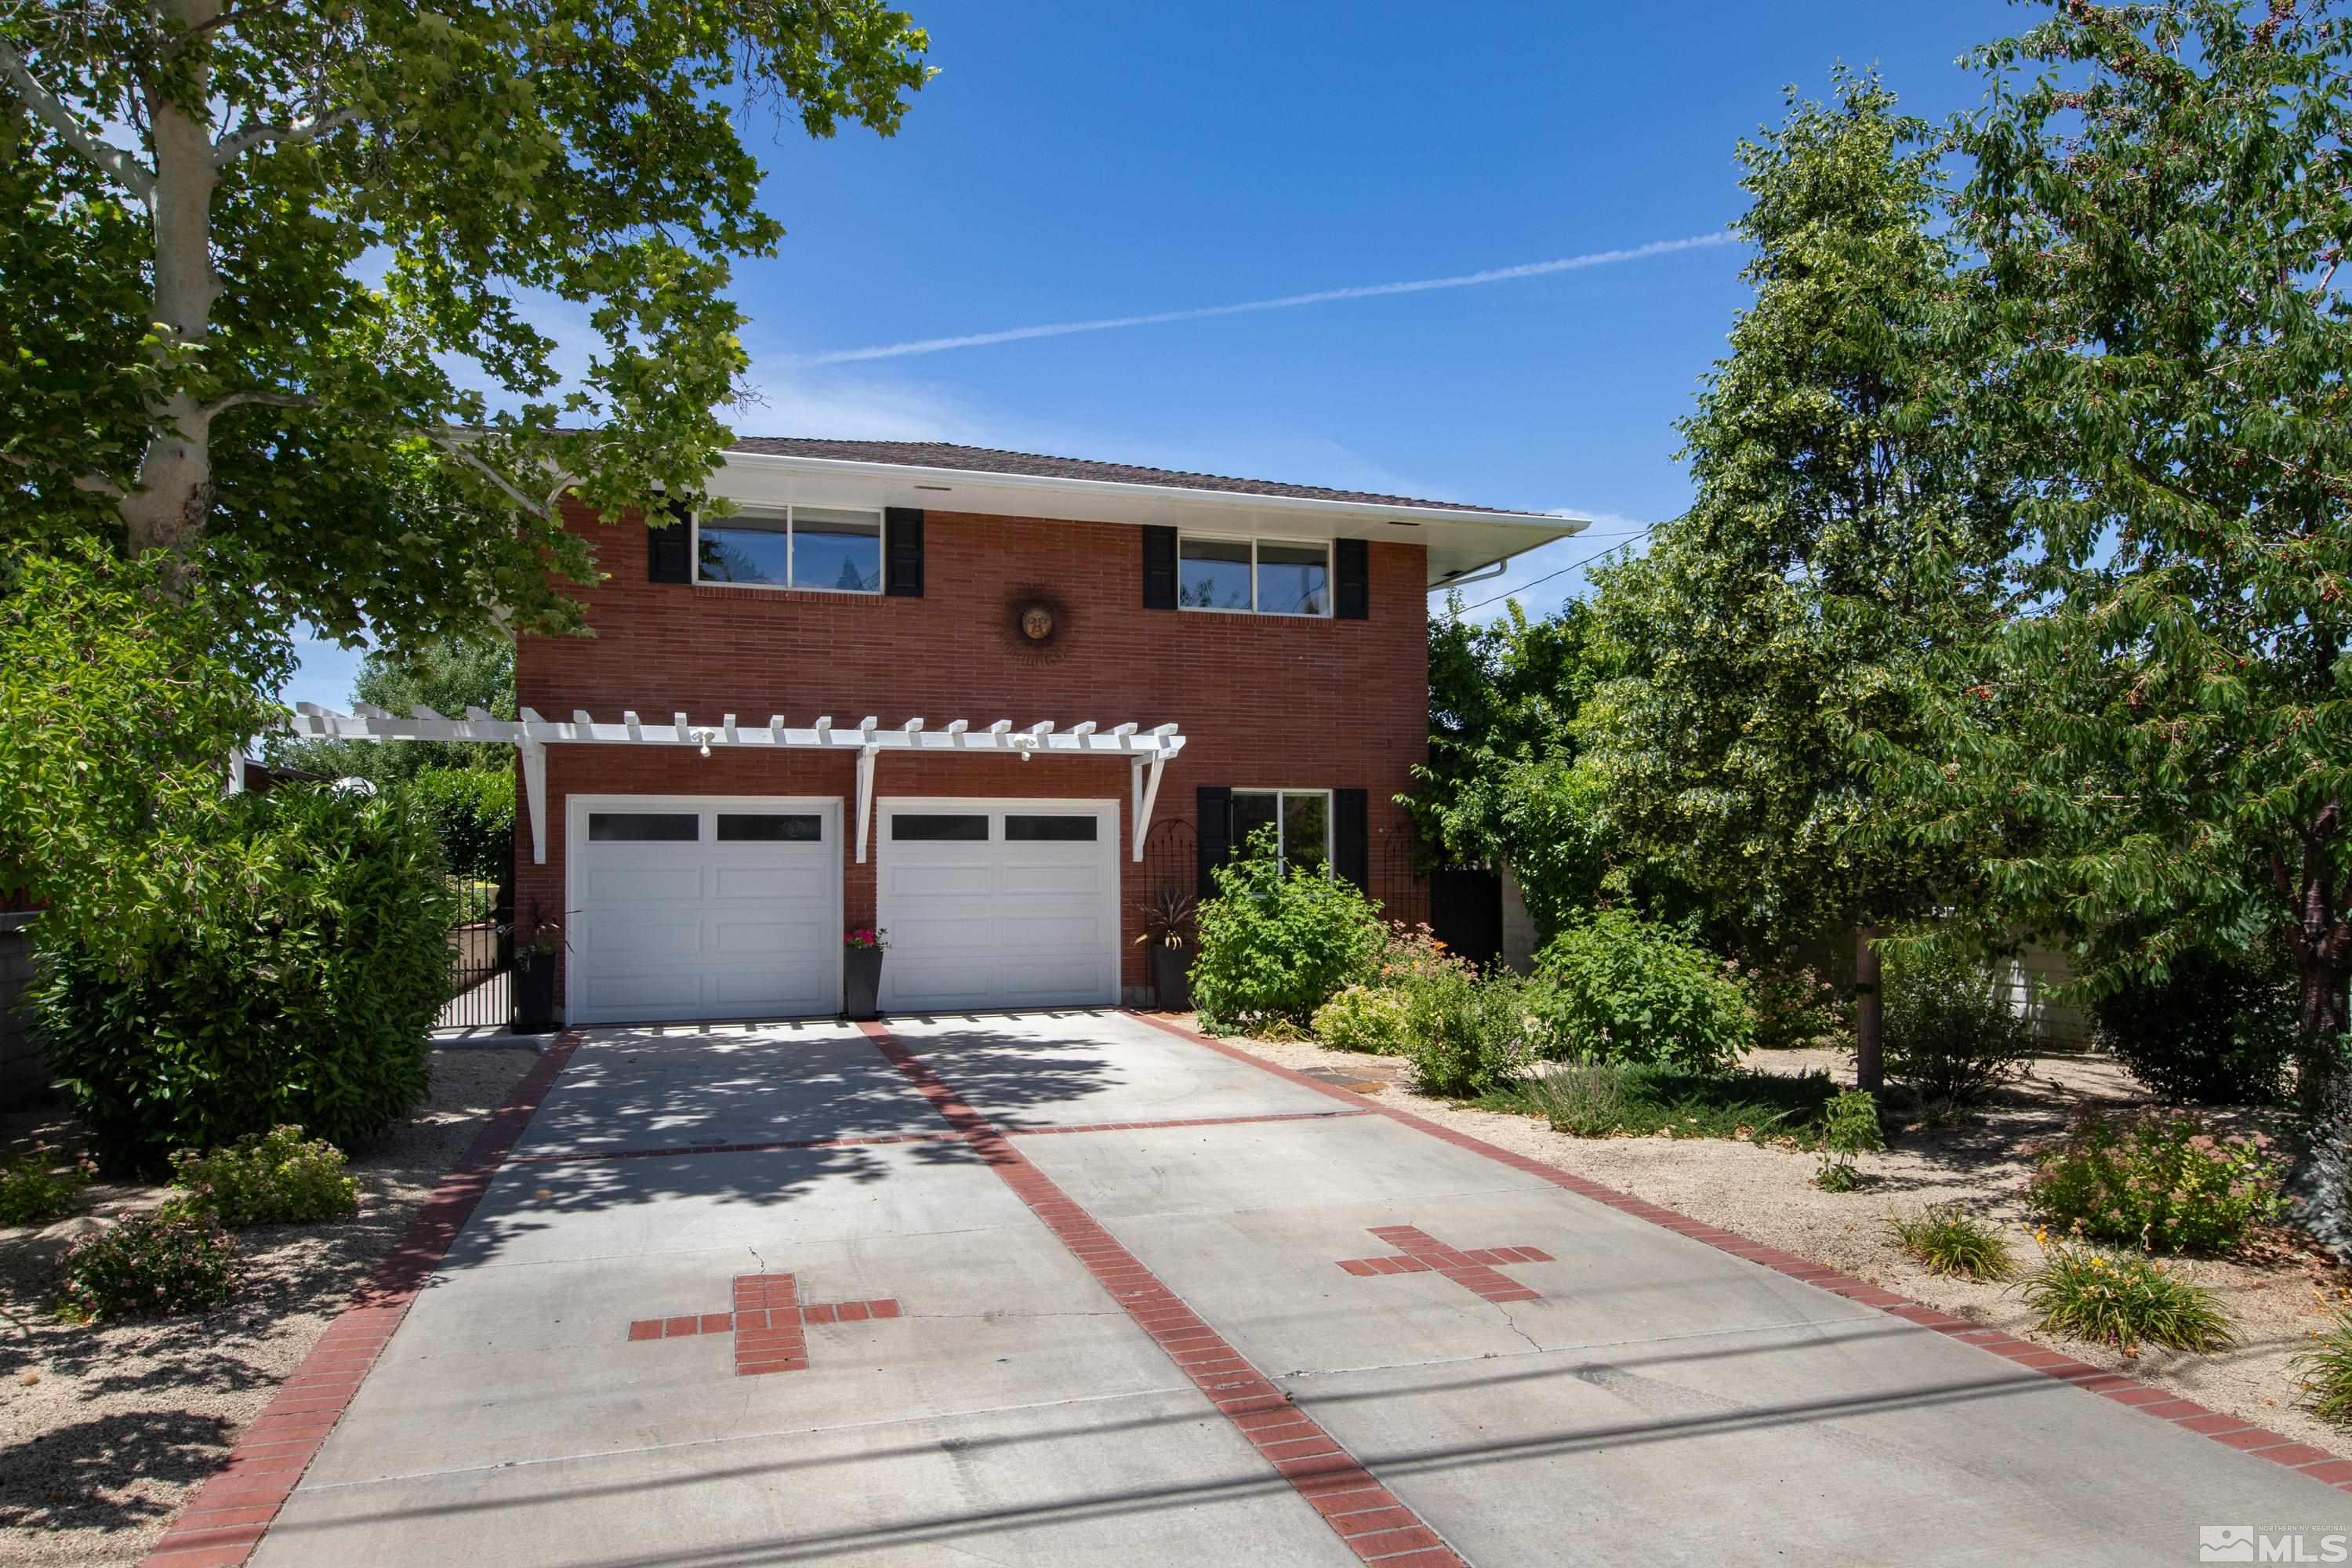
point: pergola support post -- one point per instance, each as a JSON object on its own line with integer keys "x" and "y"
{"x": 1146, "y": 780}
{"x": 866, "y": 755}
{"x": 534, "y": 792}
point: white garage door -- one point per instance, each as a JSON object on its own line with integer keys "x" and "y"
{"x": 999, "y": 903}
{"x": 702, "y": 906}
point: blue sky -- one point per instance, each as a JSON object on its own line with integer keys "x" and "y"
{"x": 1065, "y": 167}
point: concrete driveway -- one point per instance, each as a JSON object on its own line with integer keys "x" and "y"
{"x": 1070, "y": 1288}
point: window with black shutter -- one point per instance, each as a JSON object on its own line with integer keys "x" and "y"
{"x": 902, "y": 534}
{"x": 1159, "y": 568}
{"x": 1214, "y": 829}
{"x": 669, "y": 548}
{"x": 1351, "y": 839}
{"x": 1351, "y": 598}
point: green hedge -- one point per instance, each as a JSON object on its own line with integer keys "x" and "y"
{"x": 307, "y": 959}
{"x": 472, "y": 811}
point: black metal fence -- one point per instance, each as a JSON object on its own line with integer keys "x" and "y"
{"x": 481, "y": 960}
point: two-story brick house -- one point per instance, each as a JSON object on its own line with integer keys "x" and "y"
{"x": 1083, "y": 681}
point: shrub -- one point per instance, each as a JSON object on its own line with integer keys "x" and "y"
{"x": 1366, "y": 1018}
{"x": 1949, "y": 1033}
{"x": 2326, "y": 1368}
{"x": 472, "y": 811}
{"x": 37, "y": 1188}
{"x": 1468, "y": 1036}
{"x": 2124, "y": 1302}
{"x": 1797, "y": 1008}
{"x": 1849, "y": 1129}
{"x": 1625, "y": 990}
{"x": 1277, "y": 941}
{"x": 2213, "y": 1033}
{"x": 296, "y": 985}
{"x": 2155, "y": 1180}
{"x": 1950, "y": 1240}
{"x": 1602, "y": 1100}
{"x": 268, "y": 1178}
{"x": 151, "y": 1266}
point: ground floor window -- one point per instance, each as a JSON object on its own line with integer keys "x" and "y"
{"x": 1301, "y": 819}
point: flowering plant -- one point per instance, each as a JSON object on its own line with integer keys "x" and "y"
{"x": 2157, "y": 1180}
{"x": 866, "y": 937}
{"x": 168, "y": 1260}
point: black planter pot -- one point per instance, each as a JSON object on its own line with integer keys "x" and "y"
{"x": 534, "y": 996}
{"x": 862, "y": 981}
{"x": 1172, "y": 981}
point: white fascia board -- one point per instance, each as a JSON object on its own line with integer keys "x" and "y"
{"x": 1459, "y": 540}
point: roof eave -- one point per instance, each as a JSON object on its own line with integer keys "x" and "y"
{"x": 1521, "y": 531}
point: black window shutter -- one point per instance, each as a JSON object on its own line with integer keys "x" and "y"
{"x": 1214, "y": 829}
{"x": 902, "y": 541}
{"x": 669, "y": 548}
{"x": 1351, "y": 839}
{"x": 1352, "y": 598}
{"x": 1159, "y": 568}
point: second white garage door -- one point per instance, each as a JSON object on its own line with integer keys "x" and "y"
{"x": 998, "y": 903}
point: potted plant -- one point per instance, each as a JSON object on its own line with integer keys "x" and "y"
{"x": 863, "y": 978}
{"x": 1168, "y": 933}
{"x": 535, "y": 949}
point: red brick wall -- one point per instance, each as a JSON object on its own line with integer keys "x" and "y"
{"x": 1262, "y": 702}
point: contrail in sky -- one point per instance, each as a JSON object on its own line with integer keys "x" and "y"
{"x": 1287, "y": 302}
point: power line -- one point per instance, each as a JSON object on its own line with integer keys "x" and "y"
{"x": 1561, "y": 573}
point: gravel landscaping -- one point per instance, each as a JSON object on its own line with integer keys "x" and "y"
{"x": 2276, "y": 1294}
{"x": 106, "y": 1429}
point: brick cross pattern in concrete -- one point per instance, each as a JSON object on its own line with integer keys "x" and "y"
{"x": 769, "y": 1322}
{"x": 1418, "y": 1252}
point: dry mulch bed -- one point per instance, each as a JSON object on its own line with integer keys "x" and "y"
{"x": 2277, "y": 1291}
{"x": 105, "y": 1430}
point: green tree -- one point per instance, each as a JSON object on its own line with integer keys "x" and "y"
{"x": 2162, "y": 196}
{"x": 269, "y": 269}
{"x": 119, "y": 706}
{"x": 1777, "y": 617}
{"x": 448, "y": 676}
{"x": 1502, "y": 782}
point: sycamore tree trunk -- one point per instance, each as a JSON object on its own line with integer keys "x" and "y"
{"x": 1869, "y": 1014}
{"x": 167, "y": 508}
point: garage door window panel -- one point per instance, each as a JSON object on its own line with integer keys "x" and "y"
{"x": 771, "y": 828}
{"x": 643, "y": 826}
{"x": 939, "y": 827}
{"x": 1028, "y": 829}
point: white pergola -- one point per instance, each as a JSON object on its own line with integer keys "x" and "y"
{"x": 1146, "y": 751}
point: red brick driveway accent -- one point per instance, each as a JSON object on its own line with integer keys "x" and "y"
{"x": 1375, "y": 1524}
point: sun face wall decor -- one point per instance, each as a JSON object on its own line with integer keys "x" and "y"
{"x": 1038, "y": 623}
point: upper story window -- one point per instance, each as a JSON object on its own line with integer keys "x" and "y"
{"x": 1264, "y": 576}
{"x": 815, "y": 547}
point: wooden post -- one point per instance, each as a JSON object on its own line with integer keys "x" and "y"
{"x": 1869, "y": 1012}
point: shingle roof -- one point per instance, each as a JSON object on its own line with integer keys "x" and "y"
{"x": 994, "y": 460}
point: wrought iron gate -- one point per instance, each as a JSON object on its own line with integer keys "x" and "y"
{"x": 481, "y": 959}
